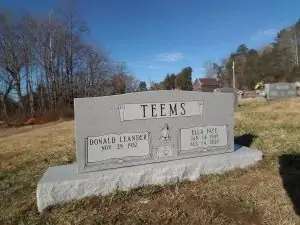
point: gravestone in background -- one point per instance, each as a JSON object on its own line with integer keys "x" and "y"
{"x": 280, "y": 90}
{"x": 131, "y": 140}
{"x": 228, "y": 90}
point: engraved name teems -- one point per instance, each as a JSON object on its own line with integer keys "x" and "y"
{"x": 163, "y": 110}
{"x": 160, "y": 110}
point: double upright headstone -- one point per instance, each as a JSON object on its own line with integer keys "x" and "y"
{"x": 125, "y": 141}
{"x": 150, "y": 127}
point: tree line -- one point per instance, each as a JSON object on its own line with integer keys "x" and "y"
{"x": 181, "y": 80}
{"x": 276, "y": 62}
{"x": 46, "y": 61}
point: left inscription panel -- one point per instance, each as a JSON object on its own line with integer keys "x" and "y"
{"x": 118, "y": 146}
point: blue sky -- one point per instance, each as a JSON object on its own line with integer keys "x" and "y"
{"x": 159, "y": 37}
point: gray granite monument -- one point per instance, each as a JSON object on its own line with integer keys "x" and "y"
{"x": 280, "y": 90}
{"x": 126, "y": 141}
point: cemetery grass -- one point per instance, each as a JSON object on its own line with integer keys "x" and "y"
{"x": 261, "y": 194}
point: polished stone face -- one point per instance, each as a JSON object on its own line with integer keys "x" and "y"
{"x": 151, "y": 127}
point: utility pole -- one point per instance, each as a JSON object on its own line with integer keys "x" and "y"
{"x": 233, "y": 75}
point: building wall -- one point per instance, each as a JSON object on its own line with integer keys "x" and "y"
{"x": 205, "y": 88}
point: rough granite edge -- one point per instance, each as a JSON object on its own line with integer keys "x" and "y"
{"x": 58, "y": 187}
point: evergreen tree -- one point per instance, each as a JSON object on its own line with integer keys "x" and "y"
{"x": 142, "y": 86}
{"x": 183, "y": 80}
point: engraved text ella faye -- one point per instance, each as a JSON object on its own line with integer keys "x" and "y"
{"x": 160, "y": 110}
{"x": 203, "y": 137}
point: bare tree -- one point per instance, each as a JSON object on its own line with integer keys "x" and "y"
{"x": 46, "y": 62}
{"x": 11, "y": 58}
{"x": 209, "y": 69}
{"x": 6, "y": 86}
{"x": 28, "y": 42}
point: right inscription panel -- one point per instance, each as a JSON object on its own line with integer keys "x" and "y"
{"x": 203, "y": 138}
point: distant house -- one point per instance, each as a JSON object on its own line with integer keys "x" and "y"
{"x": 206, "y": 84}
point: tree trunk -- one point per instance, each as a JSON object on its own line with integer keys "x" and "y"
{"x": 31, "y": 101}
{"x": 29, "y": 92}
{"x": 4, "y": 108}
{"x": 19, "y": 93}
{"x": 42, "y": 101}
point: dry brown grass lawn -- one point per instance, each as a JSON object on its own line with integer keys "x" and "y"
{"x": 263, "y": 194}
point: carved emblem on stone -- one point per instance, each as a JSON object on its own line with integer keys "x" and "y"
{"x": 165, "y": 133}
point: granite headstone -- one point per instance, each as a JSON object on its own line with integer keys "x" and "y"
{"x": 149, "y": 127}
{"x": 126, "y": 141}
{"x": 280, "y": 90}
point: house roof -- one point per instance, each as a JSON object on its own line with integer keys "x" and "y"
{"x": 208, "y": 81}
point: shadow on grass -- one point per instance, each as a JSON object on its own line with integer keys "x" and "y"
{"x": 245, "y": 139}
{"x": 289, "y": 169}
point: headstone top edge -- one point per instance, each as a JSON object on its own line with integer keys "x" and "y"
{"x": 147, "y": 93}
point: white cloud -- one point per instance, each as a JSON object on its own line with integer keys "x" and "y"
{"x": 265, "y": 33}
{"x": 169, "y": 57}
